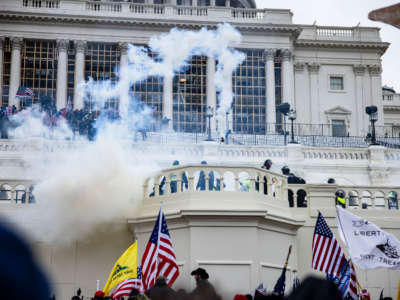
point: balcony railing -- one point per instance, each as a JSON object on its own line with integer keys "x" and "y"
{"x": 212, "y": 178}
{"x": 41, "y": 3}
{"x": 256, "y": 182}
{"x": 16, "y": 191}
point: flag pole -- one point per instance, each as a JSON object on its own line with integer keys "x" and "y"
{"x": 288, "y": 255}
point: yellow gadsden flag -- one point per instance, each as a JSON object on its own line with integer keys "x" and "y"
{"x": 124, "y": 268}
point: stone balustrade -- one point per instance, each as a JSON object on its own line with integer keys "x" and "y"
{"x": 122, "y": 9}
{"x": 334, "y": 33}
{"x": 224, "y": 179}
{"x": 16, "y": 191}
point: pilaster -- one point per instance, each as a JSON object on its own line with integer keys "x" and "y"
{"x": 376, "y": 90}
{"x": 270, "y": 89}
{"x": 211, "y": 90}
{"x": 362, "y": 122}
{"x": 15, "y": 76}
{"x": 313, "y": 70}
{"x": 287, "y": 71}
{"x": 61, "y": 100}
{"x": 80, "y": 48}
{"x": 1, "y": 69}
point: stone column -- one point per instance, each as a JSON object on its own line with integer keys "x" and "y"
{"x": 313, "y": 70}
{"x": 1, "y": 69}
{"x": 361, "y": 117}
{"x": 15, "y": 76}
{"x": 270, "y": 90}
{"x": 80, "y": 47}
{"x": 287, "y": 76}
{"x": 228, "y": 3}
{"x": 211, "y": 90}
{"x": 376, "y": 91}
{"x": 62, "y": 62}
{"x": 124, "y": 83}
{"x": 212, "y": 2}
{"x": 168, "y": 100}
{"x": 123, "y": 47}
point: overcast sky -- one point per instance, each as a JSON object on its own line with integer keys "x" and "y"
{"x": 348, "y": 13}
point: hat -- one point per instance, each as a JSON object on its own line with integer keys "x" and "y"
{"x": 239, "y": 297}
{"x": 201, "y": 272}
{"x": 99, "y": 294}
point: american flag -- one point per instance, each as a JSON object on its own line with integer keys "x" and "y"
{"x": 159, "y": 257}
{"x": 25, "y": 92}
{"x": 126, "y": 287}
{"x": 327, "y": 255}
{"x": 352, "y": 292}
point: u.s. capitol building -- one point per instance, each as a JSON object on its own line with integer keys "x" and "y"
{"x": 328, "y": 74}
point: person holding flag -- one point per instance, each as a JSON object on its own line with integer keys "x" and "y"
{"x": 124, "y": 269}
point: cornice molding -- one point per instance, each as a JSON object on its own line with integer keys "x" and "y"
{"x": 381, "y": 46}
{"x": 292, "y": 30}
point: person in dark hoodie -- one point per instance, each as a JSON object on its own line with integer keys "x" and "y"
{"x": 160, "y": 290}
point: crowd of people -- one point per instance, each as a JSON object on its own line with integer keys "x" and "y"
{"x": 80, "y": 121}
{"x": 310, "y": 289}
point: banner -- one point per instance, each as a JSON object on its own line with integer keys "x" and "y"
{"x": 125, "y": 268}
{"x": 369, "y": 246}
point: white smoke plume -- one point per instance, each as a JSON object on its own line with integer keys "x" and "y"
{"x": 100, "y": 182}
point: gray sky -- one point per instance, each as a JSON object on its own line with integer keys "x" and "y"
{"x": 348, "y": 13}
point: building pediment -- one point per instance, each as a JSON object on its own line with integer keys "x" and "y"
{"x": 338, "y": 110}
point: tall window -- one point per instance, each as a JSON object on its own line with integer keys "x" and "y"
{"x": 39, "y": 71}
{"x": 100, "y": 63}
{"x": 336, "y": 83}
{"x": 278, "y": 85}
{"x": 6, "y": 71}
{"x": 150, "y": 92}
{"x": 190, "y": 97}
{"x": 249, "y": 94}
{"x": 70, "y": 72}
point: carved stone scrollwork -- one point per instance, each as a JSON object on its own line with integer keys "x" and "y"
{"x": 375, "y": 70}
{"x": 359, "y": 70}
{"x": 62, "y": 45}
{"x": 270, "y": 54}
{"x": 299, "y": 67}
{"x": 80, "y": 46}
{"x": 313, "y": 68}
{"x": 286, "y": 54}
{"x": 16, "y": 43}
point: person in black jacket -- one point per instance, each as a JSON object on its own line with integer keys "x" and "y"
{"x": 160, "y": 290}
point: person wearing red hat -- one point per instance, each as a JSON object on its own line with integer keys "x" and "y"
{"x": 239, "y": 297}
{"x": 99, "y": 295}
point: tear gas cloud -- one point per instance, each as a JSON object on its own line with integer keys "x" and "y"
{"x": 100, "y": 182}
